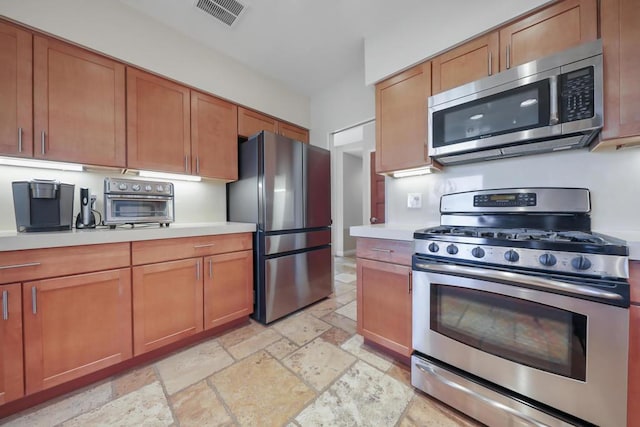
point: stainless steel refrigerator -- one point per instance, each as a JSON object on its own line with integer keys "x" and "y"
{"x": 284, "y": 187}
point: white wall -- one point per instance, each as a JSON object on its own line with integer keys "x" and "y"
{"x": 612, "y": 177}
{"x": 195, "y": 202}
{"x": 352, "y": 198}
{"x": 420, "y": 36}
{"x": 113, "y": 28}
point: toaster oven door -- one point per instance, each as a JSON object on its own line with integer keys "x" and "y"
{"x": 132, "y": 208}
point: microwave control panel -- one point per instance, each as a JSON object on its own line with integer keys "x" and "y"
{"x": 576, "y": 95}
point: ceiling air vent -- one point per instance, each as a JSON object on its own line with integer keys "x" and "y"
{"x": 226, "y": 11}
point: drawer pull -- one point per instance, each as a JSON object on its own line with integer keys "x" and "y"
{"x": 30, "y": 264}
{"x": 34, "y": 300}
{"x": 5, "y": 305}
{"x": 208, "y": 245}
{"x": 387, "y": 251}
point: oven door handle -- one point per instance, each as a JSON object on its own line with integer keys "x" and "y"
{"x": 137, "y": 197}
{"x": 554, "y": 285}
{"x": 431, "y": 372}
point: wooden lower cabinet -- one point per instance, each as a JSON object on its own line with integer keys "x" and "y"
{"x": 167, "y": 303}
{"x": 11, "y": 372}
{"x": 75, "y": 325}
{"x": 384, "y": 304}
{"x": 228, "y": 287}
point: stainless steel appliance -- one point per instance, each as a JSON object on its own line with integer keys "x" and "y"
{"x": 284, "y": 187}
{"x": 128, "y": 201}
{"x": 43, "y": 205}
{"x": 520, "y": 312}
{"x": 550, "y": 104}
{"x": 86, "y": 218}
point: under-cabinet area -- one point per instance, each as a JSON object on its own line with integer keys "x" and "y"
{"x": 77, "y": 310}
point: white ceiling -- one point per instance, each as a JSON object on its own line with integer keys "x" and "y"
{"x": 307, "y": 44}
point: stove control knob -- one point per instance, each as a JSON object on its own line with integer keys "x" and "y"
{"x": 581, "y": 263}
{"x": 511, "y": 256}
{"x": 433, "y": 247}
{"x": 547, "y": 260}
{"x": 477, "y": 252}
{"x": 452, "y": 249}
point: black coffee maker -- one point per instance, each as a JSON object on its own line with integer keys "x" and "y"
{"x": 43, "y": 205}
{"x": 86, "y": 218}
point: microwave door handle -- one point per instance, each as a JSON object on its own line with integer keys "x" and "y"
{"x": 553, "y": 100}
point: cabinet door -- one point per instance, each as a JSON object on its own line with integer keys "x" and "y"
{"x": 554, "y": 29}
{"x": 384, "y": 304}
{"x": 633, "y": 414}
{"x": 401, "y": 120}
{"x": 467, "y": 63}
{"x": 214, "y": 137}
{"x": 293, "y": 132}
{"x": 251, "y": 122}
{"x": 16, "y": 119}
{"x": 167, "y": 303}
{"x": 75, "y": 325}
{"x": 228, "y": 288}
{"x": 158, "y": 123}
{"x": 621, "y": 38}
{"x": 11, "y": 379}
{"x": 79, "y": 111}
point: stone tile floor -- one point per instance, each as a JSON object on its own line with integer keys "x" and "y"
{"x": 309, "y": 369}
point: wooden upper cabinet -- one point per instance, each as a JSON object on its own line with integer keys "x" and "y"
{"x": 293, "y": 132}
{"x": 621, "y": 38}
{"x": 16, "y": 117}
{"x": 75, "y": 325}
{"x": 158, "y": 123}
{"x": 214, "y": 141}
{"x": 251, "y": 122}
{"x": 11, "y": 372}
{"x": 467, "y": 63}
{"x": 401, "y": 119}
{"x": 79, "y": 105}
{"x": 554, "y": 29}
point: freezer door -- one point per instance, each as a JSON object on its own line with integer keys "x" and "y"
{"x": 295, "y": 281}
{"x": 278, "y": 243}
{"x": 317, "y": 186}
{"x": 282, "y": 194}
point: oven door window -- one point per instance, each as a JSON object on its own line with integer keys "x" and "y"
{"x": 525, "y": 107}
{"x": 529, "y": 333}
{"x": 135, "y": 209}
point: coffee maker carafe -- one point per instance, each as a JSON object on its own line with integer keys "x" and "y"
{"x": 86, "y": 218}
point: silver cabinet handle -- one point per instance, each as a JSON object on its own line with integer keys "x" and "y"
{"x": 210, "y": 268}
{"x": 42, "y": 141}
{"x": 207, "y": 245}
{"x": 553, "y": 94}
{"x": 30, "y": 264}
{"x": 486, "y": 274}
{"x": 197, "y": 270}
{"x": 490, "y": 57}
{"x": 186, "y": 163}
{"x": 388, "y": 251}
{"x": 197, "y": 165}
{"x": 508, "y": 56}
{"x": 19, "y": 140}
{"x": 5, "y": 305}
{"x": 34, "y": 300}
{"x": 431, "y": 372}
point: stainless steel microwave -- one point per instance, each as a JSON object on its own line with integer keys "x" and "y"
{"x": 554, "y": 103}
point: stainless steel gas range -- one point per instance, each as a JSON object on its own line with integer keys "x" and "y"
{"x": 520, "y": 312}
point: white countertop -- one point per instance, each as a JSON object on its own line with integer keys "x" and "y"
{"x": 405, "y": 232}
{"x": 12, "y": 240}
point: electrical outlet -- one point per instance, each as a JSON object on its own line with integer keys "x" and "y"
{"x": 414, "y": 200}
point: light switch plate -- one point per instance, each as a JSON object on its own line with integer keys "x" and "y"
{"x": 414, "y": 200}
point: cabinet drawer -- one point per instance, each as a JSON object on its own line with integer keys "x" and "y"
{"x": 31, "y": 264}
{"x": 395, "y": 251}
{"x": 151, "y": 251}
